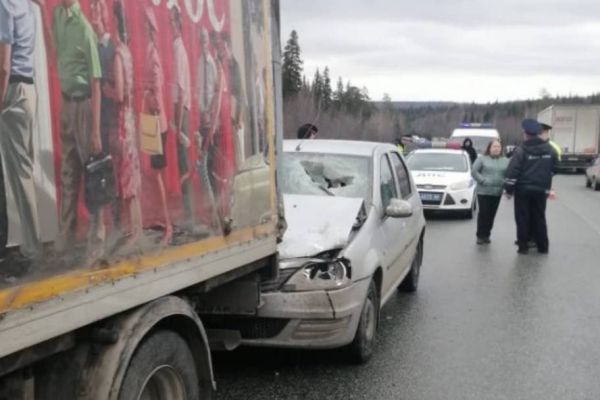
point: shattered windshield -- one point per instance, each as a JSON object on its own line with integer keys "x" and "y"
{"x": 437, "y": 162}
{"x": 326, "y": 175}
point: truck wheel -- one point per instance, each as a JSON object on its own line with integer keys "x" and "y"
{"x": 162, "y": 368}
{"x": 361, "y": 348}
{"x": 596, "y": 184}
{"x": 411, "y": 281}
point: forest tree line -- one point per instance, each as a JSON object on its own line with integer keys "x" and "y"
{"x": 343, "y": 110}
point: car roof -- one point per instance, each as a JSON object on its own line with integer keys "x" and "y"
{"x": 327, "y": 146}
{"x": 440, "y": 151}
{"x": 466, "y": 132}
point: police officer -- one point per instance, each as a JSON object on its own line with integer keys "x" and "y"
{"x": 545, "y": 135}
{"x": 529, "y": 179}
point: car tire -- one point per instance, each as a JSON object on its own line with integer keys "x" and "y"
{"x": 588, "y": 182}
{"x": 596, "y": 184}
{"x": 411, "y": 280}
{"x": 361, "y": 349}
{"x": 162, "y": 367}
{"x": 469, "y": 213}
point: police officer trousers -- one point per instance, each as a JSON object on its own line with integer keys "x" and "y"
{"x": 530, "y": 215}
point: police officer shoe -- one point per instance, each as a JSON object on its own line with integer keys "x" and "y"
{"x": 523, "y": 251}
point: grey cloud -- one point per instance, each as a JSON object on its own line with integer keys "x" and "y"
{"x": 510, "y": 38}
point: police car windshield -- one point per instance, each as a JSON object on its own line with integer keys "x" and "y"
{"x": 438, "y": 162}
{"x": 480, "y": 143}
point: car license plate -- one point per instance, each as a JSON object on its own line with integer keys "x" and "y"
{"x": 573, "y": 158}
{"x": 431, "y": 196}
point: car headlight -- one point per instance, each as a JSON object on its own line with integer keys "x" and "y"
{"x": 319, "y": 275}
{"x": 462, "y": 185}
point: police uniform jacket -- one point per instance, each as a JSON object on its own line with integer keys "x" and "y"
{"x": 531, "y": 167}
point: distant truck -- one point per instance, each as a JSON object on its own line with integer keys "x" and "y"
{"x": 576, "y": 129}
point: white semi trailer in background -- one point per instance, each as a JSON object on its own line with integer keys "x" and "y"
{"x": 576, "y": 129}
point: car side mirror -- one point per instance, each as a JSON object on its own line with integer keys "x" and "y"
{"x": 399, "y": 209}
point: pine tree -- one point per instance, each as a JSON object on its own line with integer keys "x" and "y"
{"x": 326, "y": 91}
{"x": 292, "y": 66}
{"x": 387, "y": 106}
{"x": 317, "y": 87}
{"x": 338, "y": 96}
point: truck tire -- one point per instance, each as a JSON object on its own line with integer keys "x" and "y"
{"x": 361, "y": 349}
{"x": 162, "y": 368}
{"x": 411, "y": 281}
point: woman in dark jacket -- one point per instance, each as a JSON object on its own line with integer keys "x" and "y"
{"x": 468, "y": 147}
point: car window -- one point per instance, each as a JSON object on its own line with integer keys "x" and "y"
{"x": 450, "y": 162}
{"x": 402, "y": 175}
{"x": 387, "y": 184}
{"x": 326, "y": 175}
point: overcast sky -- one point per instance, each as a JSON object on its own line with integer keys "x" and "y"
{"x": 458, "y": 50}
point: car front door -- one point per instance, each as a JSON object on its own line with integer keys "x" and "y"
{"x": 392, "y": 229}
{"x": 411, "y": 231}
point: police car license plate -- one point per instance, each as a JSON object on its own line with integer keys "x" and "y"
{"x": 430, "y": 196}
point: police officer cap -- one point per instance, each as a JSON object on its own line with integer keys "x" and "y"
{"x": 545, "y": 127}
{"x": 531, "y": 127}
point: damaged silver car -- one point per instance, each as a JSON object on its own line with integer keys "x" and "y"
{"x": 355, "y": 234}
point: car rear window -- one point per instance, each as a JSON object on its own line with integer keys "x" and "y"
{"x": 438, "y": 162}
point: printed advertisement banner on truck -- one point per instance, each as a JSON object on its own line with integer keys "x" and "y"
{"x": 152, "y": 128}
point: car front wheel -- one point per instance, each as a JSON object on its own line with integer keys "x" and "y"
{"x": 596, "y": 184}
{"x": 361, "y": 348}
{"x": 411, "y": 281}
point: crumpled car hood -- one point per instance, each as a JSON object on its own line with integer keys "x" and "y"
{"x": 317, "y": 224}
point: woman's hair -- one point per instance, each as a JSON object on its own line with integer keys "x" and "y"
{"x": 488, "y": 149}
{"x": 119, "y": 12}
{"x": 467, "y": 140}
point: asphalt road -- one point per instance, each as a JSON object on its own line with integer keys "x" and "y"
{"x": 486, "y": 323}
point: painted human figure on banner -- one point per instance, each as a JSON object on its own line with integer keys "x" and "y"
{"x": 207, "y": 86}
{"x": 182, "y": 97}
{"x": 219, "y": 144}
{"x": 186, "y": 69}
{"x": 106, "y": 50}
{"x": 18, "y": 104}
{"x": 154, "y": 104}
{"x": 72, "y": 42}
{"x": 124, "y": 145}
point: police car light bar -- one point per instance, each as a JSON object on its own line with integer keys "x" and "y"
{"x": 476, "y": 125}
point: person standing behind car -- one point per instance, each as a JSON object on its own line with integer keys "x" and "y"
{"x": 529, "y": 178}
{"x": 468, "y": 147}
{"x": 489, "y": 171}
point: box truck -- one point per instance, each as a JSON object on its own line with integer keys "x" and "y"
{"x": 576, "y": 129}
{"x": 146, "y": 199}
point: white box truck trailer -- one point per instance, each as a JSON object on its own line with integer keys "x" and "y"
{"x": 576, "y": 129}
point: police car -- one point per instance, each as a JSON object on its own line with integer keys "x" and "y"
{"x": 443, "y": 179}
